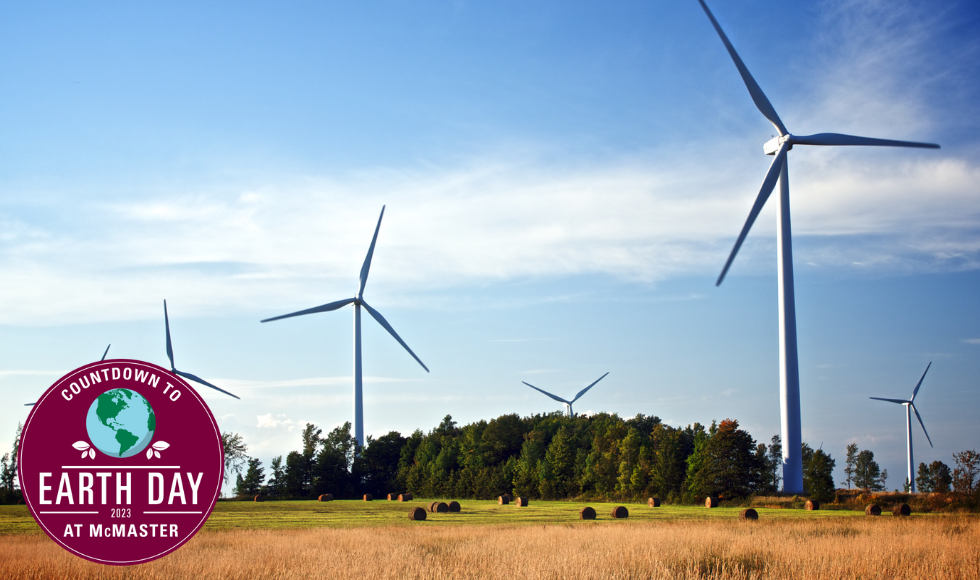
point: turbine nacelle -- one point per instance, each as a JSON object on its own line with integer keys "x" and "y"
{"x": 771, "y": 147}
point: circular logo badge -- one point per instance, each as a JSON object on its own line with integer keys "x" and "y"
{"x": 121, "y": 462}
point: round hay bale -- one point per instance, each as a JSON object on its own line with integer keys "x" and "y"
{"x": 620, "y": 513}
{"x": 748, "y": 514}
{"x": 653, "y": 502}
{"x": 368, "y": 497}
{"x": 259, "y": 498}
{"x": 503, "y": 500}
{"x": 811, "y": 505}
{"x": 325, "y": 497}
{"x": 432, "y": 506}
{"x": 711, "y": 502}
{"x": 586, "y": 513}
{"x": 454, "y": 507}
{"x": 521, "y": 501}
{"x": 872, "y": 510}
{"x": 901, "y": 509}
{"x": 392, "y": 496}
{"x": 441, "y": 507}
{"x": 417, "y": 514}
{"x": 405, "y": 497}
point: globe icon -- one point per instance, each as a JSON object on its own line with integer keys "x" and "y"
{"x": 120, "y": 423}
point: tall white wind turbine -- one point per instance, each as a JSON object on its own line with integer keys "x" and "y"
{"x": 568, "y": 404}
{"x": 358, "y": 301}
{"x": 779, "y": 146}
{"x": 909, "y": 409}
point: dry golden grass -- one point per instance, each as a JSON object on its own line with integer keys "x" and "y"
{"x": 943, "y": 547}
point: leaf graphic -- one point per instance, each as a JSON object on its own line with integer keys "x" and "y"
{"x": 84, "y": 453}
{"x": 91, "y": 453}
{"x": 157, "y": 453}
{"x": 149, "y": 453}
{"x": 161, "y": 445}
{"x": 80, "y": 445}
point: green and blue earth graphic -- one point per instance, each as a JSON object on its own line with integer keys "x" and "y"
{"x": 120, "y": 423}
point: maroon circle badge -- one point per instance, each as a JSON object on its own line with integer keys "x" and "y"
{"x": 121, "y": 462}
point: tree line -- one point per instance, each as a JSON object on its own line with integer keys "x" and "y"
{"x": 550, "y": 456}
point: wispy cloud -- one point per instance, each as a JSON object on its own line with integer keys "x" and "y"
{"x": 972, "y": 341}
{"x": 491, "y": 222}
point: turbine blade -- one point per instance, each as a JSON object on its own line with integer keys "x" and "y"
{"x": 767, "y": 186}
{"x": 366, "y": 267}
{"x": 840, "y": 139}
{"x": 29, "y": 404}
{"x": 106, "y": 352}
{"x": 170, "y": 346}
{"x": 915, "y": 391}
{"x": 899, "y": 401}
{"x": 323, "y": 308}
{"x": 763, "y": 104}
{"x": 381, "y": 320}
{"x": 583, "y": 391}
{"x": 922, "y": 424}
{"x": 559, "y": 399}
{"x": 203, "y": 382}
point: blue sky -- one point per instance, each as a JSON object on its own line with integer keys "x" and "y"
{"x": 563, "y": 182}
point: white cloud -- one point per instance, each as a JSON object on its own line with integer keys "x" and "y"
{"x": 268, "y": 421}
{"x": 290, "y": 244}
{"x": 972, "y": 340}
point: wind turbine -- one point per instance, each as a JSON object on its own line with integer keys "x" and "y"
{"x": 789, "y": 374}
{"x": 568, "y": 404}
{"x": 170, "y": 355}
{"x": 910, "y": 404}
{"x": 358, "y": 301}
{"x": 103, "y": 358}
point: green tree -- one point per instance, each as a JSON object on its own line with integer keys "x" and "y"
{"x": 867, "y": 473}
{"x": 235, "y": 451}
{"x": 728, "y": 463}
{"x": 294, "y": 476}
{"x": 560, "y": 457}
{"x": 669, "y": 467}
{"x": 274, "y": 487}
{"x": 251, "y": 483}
{"x": 850, "y": 464}
{"x": 770, "y": 459}
{"x": 378, "y": 463}
{"x": 9, "y": 494}
{"x": 630, "y": 448}
{"x": 526, "y": 480}
{"x": 966, "y": 472}
{"x": 934, "y": 478}
{"x": 818, "y": 476}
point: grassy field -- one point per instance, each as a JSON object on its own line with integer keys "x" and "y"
{"x": 345, "y": 539}
{"x": 234, "y": 515}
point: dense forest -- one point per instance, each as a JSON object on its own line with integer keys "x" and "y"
{"x": 548, "y": 456}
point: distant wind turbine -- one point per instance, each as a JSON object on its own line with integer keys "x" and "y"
{"x": 170, "y": 355}
{"x": 358, "y": 301}
{"x": 568, "y": 404}
{"x": 910, "y": 404}
{"x": 789, "y": 375}
{"x": 103, "y": 358}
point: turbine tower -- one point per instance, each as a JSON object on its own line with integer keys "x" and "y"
{"x": 568, "y": 404}
{"x": 909, "y": 408}
{"x": 170, "y": 355}
{"x": 358, "y": 301}
{"x": 779, "y": 146}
